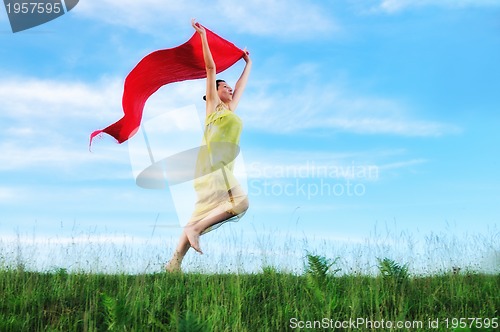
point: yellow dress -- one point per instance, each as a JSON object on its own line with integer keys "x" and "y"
{"x": 216, "y": 186}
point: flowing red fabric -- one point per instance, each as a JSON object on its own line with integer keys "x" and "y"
{"x": 184, "y": 62}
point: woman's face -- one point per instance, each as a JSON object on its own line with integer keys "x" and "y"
{"x": 225, "y": 92}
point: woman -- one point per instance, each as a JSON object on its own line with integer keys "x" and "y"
{"x": 220, "y": 197}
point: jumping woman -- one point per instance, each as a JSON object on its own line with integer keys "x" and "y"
{"x": 220, "y": 197}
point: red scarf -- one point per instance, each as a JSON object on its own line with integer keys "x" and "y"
{"x": 184, "y": 62}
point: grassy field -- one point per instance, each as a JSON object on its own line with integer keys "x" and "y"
{"x": 318, "y": 299}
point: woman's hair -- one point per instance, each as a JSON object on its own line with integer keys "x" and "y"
{"x": 217, "y": 83}
{"x": 216, "y": 87}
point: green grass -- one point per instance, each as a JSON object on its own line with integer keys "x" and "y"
{"x": 110, "y": 287}
{"x": 265, "y": 301}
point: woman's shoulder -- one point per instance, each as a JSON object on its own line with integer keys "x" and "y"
{"x": 220, "y": 111}
{"x": 222, "y": 107}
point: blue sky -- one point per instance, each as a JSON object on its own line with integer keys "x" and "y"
{"x": 406, "y": 89}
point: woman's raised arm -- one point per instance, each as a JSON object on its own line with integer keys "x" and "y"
{"x": 211, "y": 93}
{"x": 242, "y": 82}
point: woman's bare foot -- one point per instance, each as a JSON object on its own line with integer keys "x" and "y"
{"x": 173, "y": 266}
{"x": 193, "y": 237}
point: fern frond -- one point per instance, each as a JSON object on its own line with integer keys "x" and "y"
{"x": 190, "y": 323}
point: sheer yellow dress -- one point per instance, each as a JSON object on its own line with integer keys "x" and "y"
{"x": 217, "y": 188}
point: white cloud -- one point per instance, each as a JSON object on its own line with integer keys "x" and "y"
{"x": 143, "y": 16}
{"x": 47, "y": 103}
{"x": 47, "y": 123}
{"x": 31, "y": 98}
{"x": 19, "y": 156}
{"x": 8, "y": 195}
{"x": 276, "y": 18}
{"x": 281, "y": 18}
{"x": 392, "y": 6}
{"x": 360, "y": 165}
{"x": 89, "y": 239}
{"x": 402, "y": 164}
{"x": 309, "y": 106}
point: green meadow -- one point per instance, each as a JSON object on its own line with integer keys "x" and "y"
{"x": 390, "y": 282}
{"x": 318, "y": 299}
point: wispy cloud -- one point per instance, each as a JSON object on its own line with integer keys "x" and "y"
{"x": 144, "y": 16}
{"x": 39, "y": 99}
{"x": 363, "y": 165}
{"x": 8, "y": 195}
{"x": 65, "y": 158}
{"x": 275, "y": 18}
{"x": 393, "y": 6}
{"x": 46, "y": 123}
{"x": 402, "y": 164}
{"x": 309, "y": 106}
{"x": 281, "y": 18}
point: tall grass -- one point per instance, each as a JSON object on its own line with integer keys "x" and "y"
{"x": 265, "y": 301}
{"x": 242, "y": 249}
{"x": 367, "y": 282}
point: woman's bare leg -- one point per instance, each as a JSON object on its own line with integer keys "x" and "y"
{"x": 190, "y": 237}
{"x": 174, "y": 265}
{"x": 193, "y": 231}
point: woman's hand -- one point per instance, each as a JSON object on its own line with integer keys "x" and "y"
{"x": 246, "y": 56}
{"x": 198, "y": 27}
